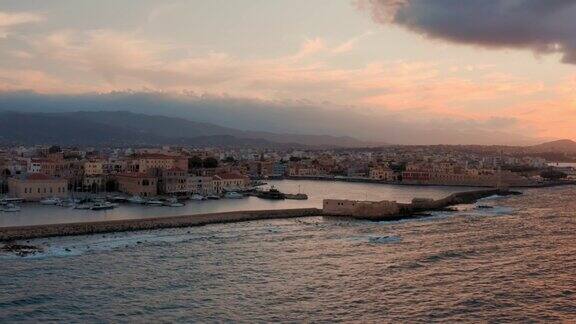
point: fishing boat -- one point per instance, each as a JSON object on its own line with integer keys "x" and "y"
{"x": 10, "y": 208}
{"x": 273, "y": 194}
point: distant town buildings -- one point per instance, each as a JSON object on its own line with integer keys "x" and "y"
{"x": 34, "y": 173}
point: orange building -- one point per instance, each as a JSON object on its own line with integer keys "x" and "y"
{"x": 37, "y": 186}
{"x": 137, "y": 184}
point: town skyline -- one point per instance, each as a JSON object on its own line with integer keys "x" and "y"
{"x": 390, "y": 73}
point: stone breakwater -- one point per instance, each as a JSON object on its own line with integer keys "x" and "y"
{"x": 465, "y": 197}
{"x": 391, "y": 210}
{"x": 84, "y": 228}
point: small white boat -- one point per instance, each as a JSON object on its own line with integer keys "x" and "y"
{"x": 68, "y": 203}
{"x": 102, "y": 206}
{"x": 119, "y": 199}
{"x": 6, "y": 200}
{"x": 197, "y": 197}
{"x": 154, "y": 202}
{"x": 173, "y": 202}
{"x": 233, "y": 195}
{"x": 51, "y": 201}
{"x": 136, "y": 200}
{"x": 10, "y": 208}
{"x": 83, "y": 206}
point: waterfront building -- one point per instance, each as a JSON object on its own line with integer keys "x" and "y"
{"x": 201, "y": 185}
{"x": 94, "y": 183}
{"x": 173, "y": 181}
{"x": 140, "y": 184}
{"x": 93, "y": 168}
{"x": 37, "y": 186}
{"x": 229, "y": 182}
{"x": 145, "y": 162}
{"x": 382, "y": 173}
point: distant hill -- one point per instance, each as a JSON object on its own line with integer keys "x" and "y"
{"x": 172, "y": 127}
{"x": 126, "y": 128}
{"x": 560, "y": 146}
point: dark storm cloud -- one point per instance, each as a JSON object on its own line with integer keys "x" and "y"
{"x": 543, "y": 26}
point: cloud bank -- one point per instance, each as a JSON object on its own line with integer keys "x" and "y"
{"x": 543, "y": 26}
{"x": 11, "y": 19}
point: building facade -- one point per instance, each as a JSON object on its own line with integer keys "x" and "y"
{"x": 37, "y": 186}
{"x": 137, "y": 184}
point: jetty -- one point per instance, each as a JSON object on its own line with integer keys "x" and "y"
{"x": 83, "y": 228}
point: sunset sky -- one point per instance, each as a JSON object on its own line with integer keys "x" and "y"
{"x": 401, "y": 71}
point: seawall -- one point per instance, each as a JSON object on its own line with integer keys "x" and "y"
{"x": 391, "y": 210}
{"x": 83, "y": 228}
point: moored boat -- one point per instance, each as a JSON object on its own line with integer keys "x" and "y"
{"x": 6, "y": 200}
{"x": 51, "y": 201}
{"x": 233, "y": 195}
{"x": 173, "y": 202}
{"x": 154, "y": 202}
{"x": 10, "y": 208}
{"x": 273, "y": 194}
{"x": 83, "y": 206}
{"x": 136, "y": 200}
{"x": 197, "y": 197}
{"x": 102, "y": 206}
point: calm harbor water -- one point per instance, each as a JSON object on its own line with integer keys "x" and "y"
{"x": 33, "y": 214}
{"x": 515, "y": 262}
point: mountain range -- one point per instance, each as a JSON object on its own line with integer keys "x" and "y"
{"x": 123, "y": 128}
{"x": 127, "y": 128}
